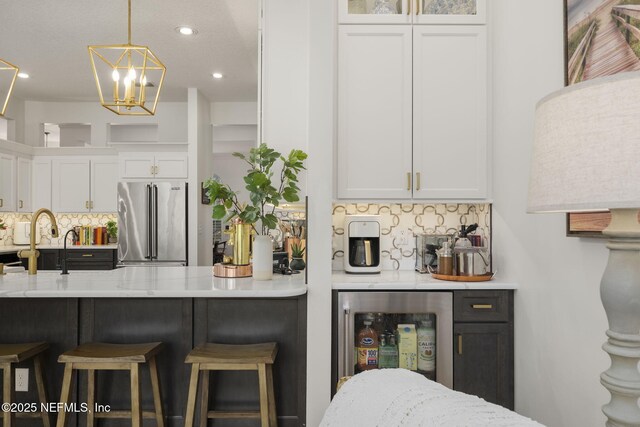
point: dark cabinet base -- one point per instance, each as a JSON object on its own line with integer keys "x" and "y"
{"x": 77, "y": 259}
{"x": 483, "y": 353}
{"x": 180, "y": 323}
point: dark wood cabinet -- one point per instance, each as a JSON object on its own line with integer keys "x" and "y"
{"x": 483, "y": 345}
{"x": 180, "y": 323}
{"x": 483, "y": 349}
{"x": 78, "y": 259}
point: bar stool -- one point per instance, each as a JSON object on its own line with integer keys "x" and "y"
{"x": 114, "y": 357}
{"x": 225, "y": 357}
{"x": 16, "y": 353}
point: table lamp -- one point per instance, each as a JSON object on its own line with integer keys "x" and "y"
{"x": 586, "y": 156}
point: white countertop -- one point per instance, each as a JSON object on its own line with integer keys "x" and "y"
{"x": 407, "y": 280}
{"x": 16, "y": 248}
{"x": 145, "y": 282}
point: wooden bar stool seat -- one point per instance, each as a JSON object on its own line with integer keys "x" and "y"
{"x": 227, "y": 357}
{"x": 11, "y": 354}
{"x": 93, "y": 357}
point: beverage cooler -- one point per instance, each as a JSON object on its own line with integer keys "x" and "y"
{"x": 411, "y": 330}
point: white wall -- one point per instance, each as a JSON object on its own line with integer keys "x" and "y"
{"x": 560, "y": 322}
{"x": 232, "y": 171}
{"x": 322, "y": 44}
{"x": 200, "y": 168}
{"x": 234, "y": 113}
{"x": 171, "y": 118}
{"x": 285, "y": 76}
{"x": 15, "y": 118}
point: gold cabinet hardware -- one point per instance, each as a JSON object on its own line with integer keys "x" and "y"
{"x": 1, "y": 203}
{"x": 408, "y": 181}
{"x": 417, "y": 181}
{"x": 87, "y": 255}
{"x": 417, "y": 7}
{"x": 419, "y": 11}
{"x": 86, "y": 204}
{"x": 460, "y": 344}
{"x": 21, "y": 204}
{"x": 408, "y": 7}
{"x": 482, "y": 306}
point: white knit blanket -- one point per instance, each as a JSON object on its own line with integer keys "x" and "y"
{"x": 398, "y": 397}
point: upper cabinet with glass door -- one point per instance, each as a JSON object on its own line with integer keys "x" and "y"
{"x": 412, "y": 11}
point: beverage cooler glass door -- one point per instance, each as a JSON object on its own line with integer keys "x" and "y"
{"x": 372, "y": 314}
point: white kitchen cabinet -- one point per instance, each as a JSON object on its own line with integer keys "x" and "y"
{"x": 449, "y": 112}
{"x": 172, "y": 165}
{"x": 104, "y": 185}
{"x": 374, "y": 105}
{"x": 412, "y": 11}
{"x": 41, "y": 183}
{"x": 412, "y": 112}
{"x": 84, "y": 185}
{"x": 71, "y": 185}
{"x": 7, "y": 183}
{"x": 154, "y": 166}
{"x": 24, "y": 184}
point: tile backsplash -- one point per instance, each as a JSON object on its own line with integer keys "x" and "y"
{"x": 409, "y": 218}
{"x": 65, "y": 222}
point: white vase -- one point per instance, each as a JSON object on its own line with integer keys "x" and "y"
{"x": 262, "y": 258}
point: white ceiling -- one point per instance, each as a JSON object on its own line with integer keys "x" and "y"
{"x": 48, "y": 39}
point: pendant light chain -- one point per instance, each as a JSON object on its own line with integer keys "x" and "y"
{"x": 129, "y": 32}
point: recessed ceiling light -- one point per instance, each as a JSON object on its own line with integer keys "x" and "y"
{"x": 187, "y": 31}
{"x": 217, "y": 75}
{"x": 23, "y": 75}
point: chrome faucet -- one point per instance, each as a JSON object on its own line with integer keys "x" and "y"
{"x": 32, "y": 253}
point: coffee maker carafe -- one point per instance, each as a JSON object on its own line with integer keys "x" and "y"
{"x": 362, "y": 244}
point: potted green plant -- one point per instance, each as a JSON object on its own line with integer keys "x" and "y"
{"x": 297, "y": 262}
{"x": 265, "y": 194}
{"x": 112, "y": 231}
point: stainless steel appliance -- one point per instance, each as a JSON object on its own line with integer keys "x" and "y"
{"x": 362, "y": 244}
{"x": 395, "y": 308}
{"x": 152, "y": 222}
{"x": 427, "y": 247}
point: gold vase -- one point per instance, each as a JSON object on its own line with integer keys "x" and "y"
{"x": 240, "y": 238}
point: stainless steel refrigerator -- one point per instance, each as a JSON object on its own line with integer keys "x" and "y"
{"x": 152, "y": 222}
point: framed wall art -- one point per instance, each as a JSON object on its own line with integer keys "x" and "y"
{"x": 602, "y": 38}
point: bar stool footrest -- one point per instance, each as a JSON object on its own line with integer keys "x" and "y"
{"x": 123, "y": 414}
{"x": 233, "y": 414}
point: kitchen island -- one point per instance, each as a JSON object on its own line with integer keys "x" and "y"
{"x": 179, "y": 306}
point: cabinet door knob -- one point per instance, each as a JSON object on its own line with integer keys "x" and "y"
{"x": 417, "y": 181}
{"x": 408, "y": 181}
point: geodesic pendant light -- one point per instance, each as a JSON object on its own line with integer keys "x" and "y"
{"x": 128, "y": 77}
{"x": 8, "y": 74}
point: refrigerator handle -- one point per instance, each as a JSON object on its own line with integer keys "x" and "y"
{"x": 155, "y": 222}
{"x": 148, "y": 222}
{"x": 345, "y": 353}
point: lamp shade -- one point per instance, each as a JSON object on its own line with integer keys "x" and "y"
{"x": 586, "y": 153}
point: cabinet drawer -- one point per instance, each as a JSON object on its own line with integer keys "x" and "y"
{"x": 482, "y": 306}
{"x": 90, "y": 255}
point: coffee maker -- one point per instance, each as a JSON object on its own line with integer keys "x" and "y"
{"x": 362, "y": 244}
